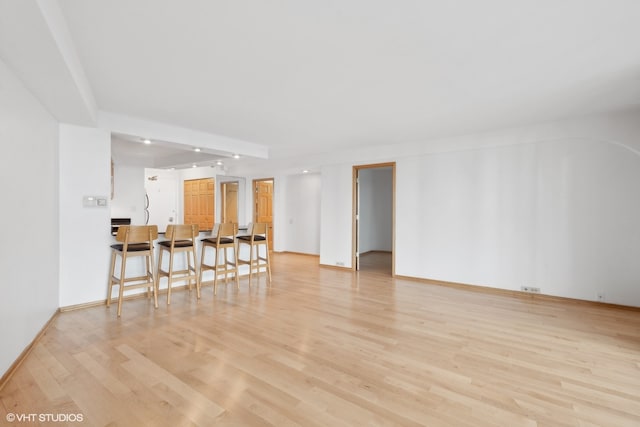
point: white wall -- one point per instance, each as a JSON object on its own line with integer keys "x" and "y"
{"x": 29, "y": 185}
{"x": 163, "y": 196}
{"x": 279, "y": 213}
{"x": 301, "y": 200}
{"x": 557, "y": 208}
{"x": 336, "y": 215}
{"x": 84, "y": 232}
{"x": 562, "y": 216}
{"x": 376, "y": 209}
{"x": 128, "y": 194}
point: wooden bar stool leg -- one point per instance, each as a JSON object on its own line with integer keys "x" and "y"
{"x": 237, "y": 271}
{"x": 169, "y": 278}
{"x": 215, "y": 271}
{"x": 123, "y": 259}
{"x": 266, "y": 248}
{"x": 159, "y": 270}
{"x": 196, "y": 277}
{"x": 154, "y": 279}
{"x": 204, "y": 248}
{"x": 147, "y": 273}
{"x": 112, "y": 271}
{"x": 188, "y": 259}
{"x": 226, "y": 267}
{"x": 251, "y": 247}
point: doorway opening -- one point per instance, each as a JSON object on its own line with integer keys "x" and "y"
{"x": 263, "y": 205}
{"x": 229, "y": 201}
{"x": 373, "y": 219}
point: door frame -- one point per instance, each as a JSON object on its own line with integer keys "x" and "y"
{"x": 354, "y": 210}
{"x": 253, "y": 215}
{"x": 223, "y": 199}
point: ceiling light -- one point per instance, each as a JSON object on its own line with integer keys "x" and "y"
{"x": 146, "y": 141}
{"x": 219, "y": 163}
{"x": 236, "y": 156}
{"x": 194, "y": 165}
{"x": 305, "y": 171}
{"x": 197, "y": 150}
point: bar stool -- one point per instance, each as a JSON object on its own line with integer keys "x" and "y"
{"x": 180, "y": 239}
{"x": 222, "y": 237}
{"x": 256, "y": 239}
{"x": 137, "y": 240}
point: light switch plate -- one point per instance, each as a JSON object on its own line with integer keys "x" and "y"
{"x": 94, "y": 201}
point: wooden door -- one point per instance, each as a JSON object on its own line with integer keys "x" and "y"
{"x": 229, "y": 191}
{"x": 263, "y": 192}
{"x": 199, "y": 202}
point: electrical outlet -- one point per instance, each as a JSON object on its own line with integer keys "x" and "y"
{"x": 530, "y": 289}
{"x": 600, "y": 296}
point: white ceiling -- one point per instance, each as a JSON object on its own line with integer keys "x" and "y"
{"x": 304, "y": 77}
{"x": 131, "y": 150}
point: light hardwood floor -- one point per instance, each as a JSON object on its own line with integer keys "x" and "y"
{"x": 324, "y": 347}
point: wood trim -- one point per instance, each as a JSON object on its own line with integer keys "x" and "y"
{"x": 354, "y": 205}
{"x": 271, "y": 234}
{"x": 115, "y": 299}
{"x": 337, "y": 267}
{"x": 95, "y": 303}
{"x": 299, "y": 253}
{"x": 393, "y": 220}
{"x": 375, "y": 251}
{"x": 375, "y": 165}
{"x": 514, "y": 293}
{"x": 16, "y": 364}
{"x": 223, "y": 200}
